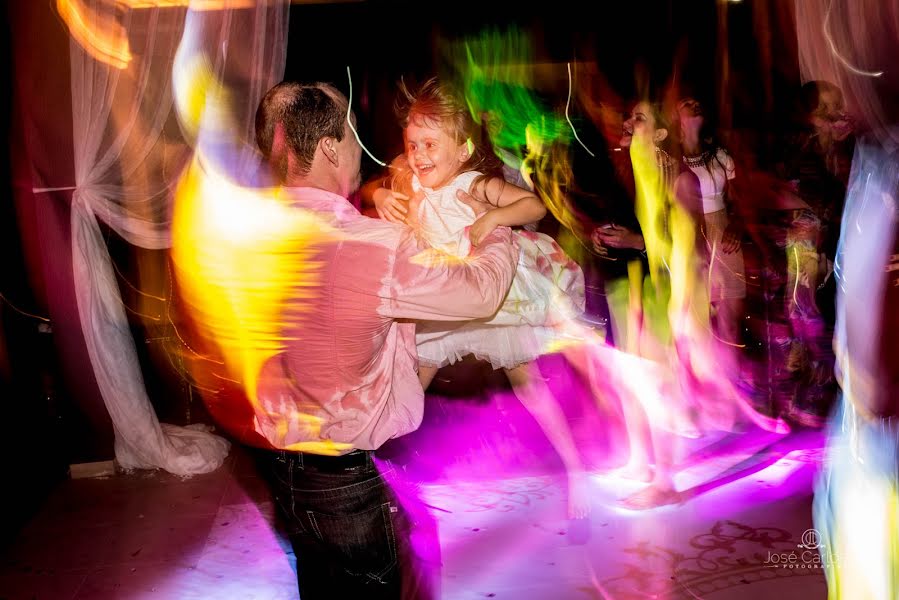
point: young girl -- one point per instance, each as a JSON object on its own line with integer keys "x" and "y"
{"x": 442, "y": 160}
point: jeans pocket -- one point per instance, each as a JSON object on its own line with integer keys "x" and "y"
{"x": 366, "y": 541}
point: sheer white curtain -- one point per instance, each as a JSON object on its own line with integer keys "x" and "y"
{"x": 129, "y": 153}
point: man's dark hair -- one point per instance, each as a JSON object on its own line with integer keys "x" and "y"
{"x": 308, "y": 113}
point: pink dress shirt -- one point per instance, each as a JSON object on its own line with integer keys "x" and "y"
{"x": 349, "y": 380}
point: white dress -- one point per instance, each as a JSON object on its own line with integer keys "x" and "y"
{"x": 548, "y": 289}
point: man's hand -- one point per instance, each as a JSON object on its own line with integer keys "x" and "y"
{"x": 485, "y": 223}
{"x": 616, "y": 236}
{"x": 479, "y": 206}
{"x": 481, "y": 228}
{"x": 391, "y": 206}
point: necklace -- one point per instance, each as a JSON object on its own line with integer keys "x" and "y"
{"x": 696, "y": 161}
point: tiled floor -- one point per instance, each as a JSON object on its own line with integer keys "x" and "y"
{"x": 154, "y": 535}
{"x": 503, "y": 532}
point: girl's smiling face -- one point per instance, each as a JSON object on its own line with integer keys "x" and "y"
{"x": 433, "y": 154}
{"x": 640, "y": 124}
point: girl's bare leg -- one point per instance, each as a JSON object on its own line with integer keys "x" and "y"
{"x": 426, "y": 375}
{"x": 661, "y": 489}
{"x": 727, "y": 324}
{"x": 531, "y": 389}
{"x": 639, "y": 441}
{"x": 635, "y": 421}
{"x": 729, "y": 313}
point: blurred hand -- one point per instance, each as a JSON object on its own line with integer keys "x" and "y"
{"x": 598, "y": 247}
{"x": 730, "y": 240}
{"x": 479, "y": 206}
{"x": 481, "y": 228}
{"x": 842, "y": 127}
{"x": 616, "y": 236}
{"x": 893, "y": 267}
{"x": 391, "y": 206}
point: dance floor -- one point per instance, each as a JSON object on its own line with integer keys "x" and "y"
{"x": 499, "y": 496}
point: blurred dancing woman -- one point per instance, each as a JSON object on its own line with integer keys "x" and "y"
{"x": 694, "y": 392}
{"x": 714, "y": 168}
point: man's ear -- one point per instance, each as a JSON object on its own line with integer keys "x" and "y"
{"x": 660, "y": 135}
{"x": 328, "y": 147}
{"x": 279, "y": 140}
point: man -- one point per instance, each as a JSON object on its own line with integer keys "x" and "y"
{"x": 857, "y": 497}
{"x": 347, "y": 382}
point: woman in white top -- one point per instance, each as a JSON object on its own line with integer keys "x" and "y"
{"x": 714, "y": 169}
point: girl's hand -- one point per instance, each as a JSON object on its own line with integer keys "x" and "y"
{"x": 842, "y": 127}
{"x": 616, "y": 236}
{"x": 481, "y": 228}
{"x": 730, "y": 240}
{"x": 893, "y": 267}
{"x": 391, "y": 206}
{"x": 598, "y": 246}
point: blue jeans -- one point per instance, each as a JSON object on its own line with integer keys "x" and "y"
{"x": 349, "y": 527}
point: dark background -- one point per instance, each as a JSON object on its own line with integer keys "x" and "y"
{"x": 382, "y": 41}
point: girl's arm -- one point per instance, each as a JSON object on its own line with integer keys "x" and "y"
{"x": 514, "y": 206}
{"x": 731, "y": 240}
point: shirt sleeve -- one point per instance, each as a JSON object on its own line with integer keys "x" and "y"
{"x": 431, "y": 285}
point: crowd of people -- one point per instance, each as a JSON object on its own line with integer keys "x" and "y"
{"x": 713, "y": 277}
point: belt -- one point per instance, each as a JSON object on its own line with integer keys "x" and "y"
{"x": 353, "y": 460}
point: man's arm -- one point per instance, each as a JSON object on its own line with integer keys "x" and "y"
{"x": 431, "y": 285}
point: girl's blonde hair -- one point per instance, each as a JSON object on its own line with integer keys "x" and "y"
{"x": 436, "y": 104}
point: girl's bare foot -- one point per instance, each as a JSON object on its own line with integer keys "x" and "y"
{"x": 578, "y": 495}
{"x": 652, "y": 496}
{"x": 635, "y": 472}
{"x": 772, "y": 424}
